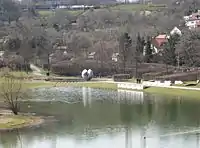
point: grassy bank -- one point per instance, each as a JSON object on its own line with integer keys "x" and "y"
{"x": 9, "y": 122}
{"x": 173, "y": 92}
{"x": 189, "y": 84}
{"x": 123, "y": 7}
{"x": 30, "y": 85}
{"x": 152, "y": 90}
{"x": 138, "y": 7}
{"x": 49, "y": 13}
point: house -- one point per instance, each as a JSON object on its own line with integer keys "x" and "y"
{"x": 115, "y": 57}
{"x": 1, "y": 54}
{"x": 60, "y": 47}
{"x": 192, "y": 16}
{"x": 155, "y": 50}
{"x": 193, "y": 20}
{"x": 91, "y": 55}
{"x": 175, "y": 30}
{"x": 198, "y": 24}
{"x": 192, "y": 23}
{"x": 195, "y": 16}
{"x": 159, "y": 41}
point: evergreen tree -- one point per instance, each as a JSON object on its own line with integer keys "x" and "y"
{"x": 148, "y": 51}
{"x": 125, "y": 43}
{"x": 169, "y": 53}
{"x": 140, "y": 44}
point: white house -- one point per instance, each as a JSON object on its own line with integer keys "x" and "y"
{"x": 115, "y": 57}
{"x": 194, "y": 23}
{"x": 190, "y": 24}
{"x": 186, "y": 18}
{"x": 175, "y": 30}
{"x": 1, "y": 53}
{"x": 91, "y": 55}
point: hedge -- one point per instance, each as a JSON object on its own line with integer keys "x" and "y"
{"x": 155, "y": 75}
{"x": 69, "y": 68}
{"x": 121, "y": 77}
{"x": 184, "y": 76}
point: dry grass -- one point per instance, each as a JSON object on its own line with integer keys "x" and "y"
{"x": 8, "y": 122}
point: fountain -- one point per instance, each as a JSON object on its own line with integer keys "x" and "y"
{"x": 87, "y": 74}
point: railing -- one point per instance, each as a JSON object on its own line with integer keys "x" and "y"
{"x": 157, "y": 83}
{"x": 131, "y": 86}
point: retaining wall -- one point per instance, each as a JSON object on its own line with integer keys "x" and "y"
{"x": 133, "y": 86}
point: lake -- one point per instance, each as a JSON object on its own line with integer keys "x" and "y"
{"x": 92, "y": 118}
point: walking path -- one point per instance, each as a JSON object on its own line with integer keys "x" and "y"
{"x": 172, "y": 87}
{"x": 36, "y": 70}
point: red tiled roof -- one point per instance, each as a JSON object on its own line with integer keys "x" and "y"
{"x": 195, "y": 14}
{"x": 160, "y": 40}
{"x": 162, "y": 36}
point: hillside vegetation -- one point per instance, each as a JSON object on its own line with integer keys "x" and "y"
{"x": 116, "y": 38}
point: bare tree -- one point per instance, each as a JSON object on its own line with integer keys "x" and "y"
{"x": 9, "y": 11}
{"x": 11, "y": 91}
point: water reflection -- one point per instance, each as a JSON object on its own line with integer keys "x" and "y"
{"x": 89, "y": 118}
{"x": 87, "y": 96}
{"x": 131, "y": 96}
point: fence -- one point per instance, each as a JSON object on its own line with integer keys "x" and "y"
{"x": 131, "y": 86}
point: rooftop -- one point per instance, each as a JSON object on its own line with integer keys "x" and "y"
{"x": 162, "y": 36}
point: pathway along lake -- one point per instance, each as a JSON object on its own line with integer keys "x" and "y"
{"x": 92, "y": 118}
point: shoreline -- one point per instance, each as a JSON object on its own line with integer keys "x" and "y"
{"x": 9, "y": 121}
{"x": 190, "y": 92}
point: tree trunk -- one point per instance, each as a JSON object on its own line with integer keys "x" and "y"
{"x": 136, "y": 68}
{"x": 167, "y": 68}
{"x": 123, "y": 67}
{"x": 26, "y": 64}
{"x": 14, "y": 107}
{"x": 48, "y": 62}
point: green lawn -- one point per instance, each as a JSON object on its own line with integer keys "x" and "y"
{"x": 174, "y": 92}
{"x": 47, "y": 13}
{"x": 127, "y": 7}
{"x": 188, "y": 82}
{"x": 30, "y": 85}
{"x": 138, "y": 7}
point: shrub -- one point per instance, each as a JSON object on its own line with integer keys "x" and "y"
{"x": 121, "y": 77}
{"x": 75, "y": 68}
{"x": 154, "y": 75}
{"x": 184, "y": 76}
{"x": 12, "y": 90}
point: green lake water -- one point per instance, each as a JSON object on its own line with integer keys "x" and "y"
{"x": 92, "y": 118}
